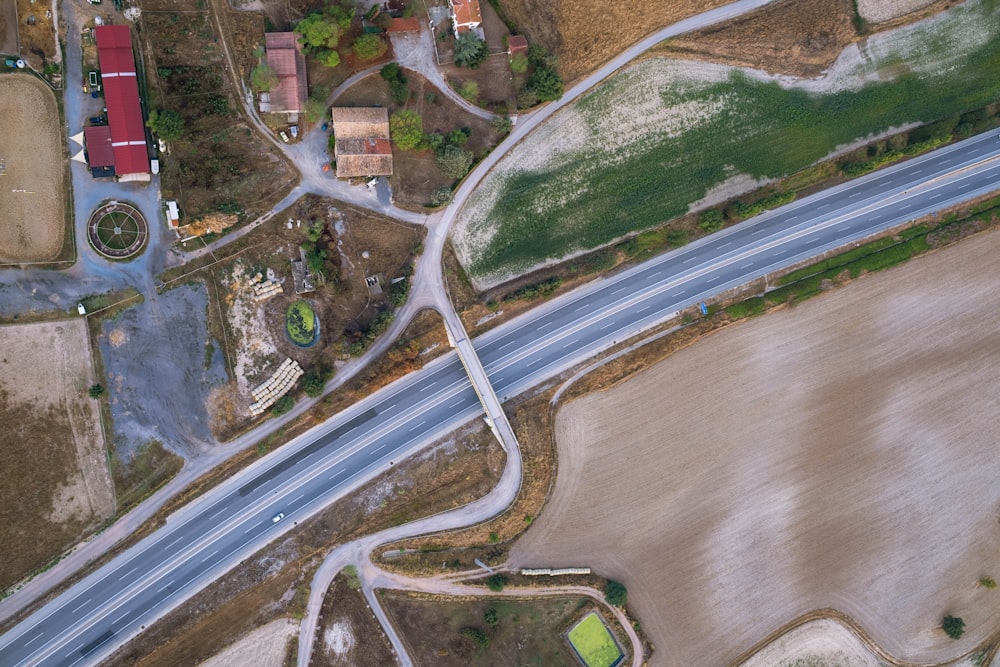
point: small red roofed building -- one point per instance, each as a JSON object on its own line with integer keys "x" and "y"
{"x": 121, "y": 95}
{"x": 517, "y": 44}
{"x": 100, "y": 155}
{"x": 465, "y": 15}
{"x": 284, "y": 57}
{"x": 411, "y": 24}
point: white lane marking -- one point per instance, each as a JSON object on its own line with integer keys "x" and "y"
{"x": 120, "y": 617}
{"x": 747, "y": 265}
{"x": 506, "y": 345}
{"x": 37, "y": 637}
{"x": 414, "y": 428}
{"x": 689, "y": 259}
{"x": 249, "y": 529}
{"x": 333, "y": 477}
{"x": 583, "y": 307}
{"x": 725, "y": 245}
{"x": 222, "y": 511}
{"x": 532, "y": 363}
{"x": 572, "y": 342}
{"x": 174, "y": 542}
{"x": 297, "y": 498}
{"x": 620, "y": 289}
{"x": 653, "y": 275}
{"x": 80, "y": 606}
{"x": 432, "y": 384}
{"x": 209, "y": 555}
{"x": 456, "y": 404}
{"x": 607, "y": 326}
{"x": 165, "y": 587}
{"x": 714, "y": 279}
{"x": 643, "y": 309}
{"x": 128, "y": 573}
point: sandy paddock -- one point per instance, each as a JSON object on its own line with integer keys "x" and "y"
{"x": 838, "y": 454}
{"x": 264, "y": 647}
{"x": 33, "y": 220}
{"x": 877, "y": 11}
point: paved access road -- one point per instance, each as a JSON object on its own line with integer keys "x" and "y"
{"x": 213, "y": 534}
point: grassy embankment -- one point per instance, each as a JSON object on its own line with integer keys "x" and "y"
{"x": 753, "y": 127}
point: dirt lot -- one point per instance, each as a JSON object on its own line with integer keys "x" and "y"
{"x": 56, "y": 480}
{"x": 274, "y": 583}
{"x": 863, "y": 479}
{"x": 797, "y": 37}
{"x": 586, "y": 33}
{"x": 349, "y": 635}
{"x": 266, "y": 646}
{"x": 415, "y": 173}
{"x": 529, "y": 632}
{"x": 33, "y": 220}
{"x": 8, "y": 28}
{"x": 37, "y": 34}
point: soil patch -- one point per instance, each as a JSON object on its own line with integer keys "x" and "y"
{"x": 33, "y": 221}
{"x": 348, "y": 634}
{"x": 8, "y": 28}
{"x": 797, "y": 37}
{"x": 274, "y": 583}
{"x": 36, "y": 32}
{"x": 854, "y": 437}
{"x": 439, "y": 630}
{"x": 820, "y": 642}
{"x": 57, "y": 486}
{"x": 266, "y": 646}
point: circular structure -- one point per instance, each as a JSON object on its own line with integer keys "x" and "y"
{"x": 117, "y": 230}
{"x": 301, "y": 324}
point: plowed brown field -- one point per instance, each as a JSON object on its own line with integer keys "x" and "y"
{"x": 839, "y": 454}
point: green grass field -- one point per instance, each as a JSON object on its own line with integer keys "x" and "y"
{"x": 607, "y": 185}
{"x": 594, "y": 643}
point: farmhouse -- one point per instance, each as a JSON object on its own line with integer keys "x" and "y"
{"x": 121, "y": 95}
{"x": 517, "y": 44}
{"x": 465, "y": 15}
{"x": 362, "y": 147}
{"x": 284, "y": 57}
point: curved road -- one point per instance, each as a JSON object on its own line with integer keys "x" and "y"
{"x": 205, "y": 539}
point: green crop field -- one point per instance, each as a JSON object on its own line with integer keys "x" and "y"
{"x": 594, "y": 643}
{"x": 642, "y": 147}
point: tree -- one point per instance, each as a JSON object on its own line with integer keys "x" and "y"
{"x": 441, "y": 196}
{"x": 615, "y": 593}
{"x": 496, "y": 582}
{"x": 406, "y": 128}
{"x": 96, "y": 390}
{"x": 393, "y": 75}
{"x": 369, "y": 46}
{"x": 953, "y": 626}
{"x": 470, "y": 51}
{"x": 710, "y": 220}
{"x": 459, "y": 136}
{"x": 315, "y": 380}
{"x": 262, "y": 78}
{"x": 318, "y": 31}
{"x": 501, "y": 124}
{"x": 545, "y": 83}
{"x": 166, "y": 124}
{"x": 314, "y": 110}
{"x": 491, "y": 617}
{"x": 539, "y": 56}
{"x": 454, "y": 162}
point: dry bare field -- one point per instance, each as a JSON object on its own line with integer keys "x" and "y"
{"x": 267, "y": 646}
{"x": 56, "y": 483}
{"x": 839, "y": 454}
{"x": 31, "y": 199}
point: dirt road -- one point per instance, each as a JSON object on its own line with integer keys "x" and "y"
{"x": 838, "y": 454}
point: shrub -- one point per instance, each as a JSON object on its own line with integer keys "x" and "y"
{"x": 96, "y": 390}
{"x": 987, "y": 582}
{"x": 454, "y": 162}
{"x": 953, "y": 626}
{"x": 615, "y": 593}
{"x": 315, "y": 380}
{"x": 478, "y": 637}
{"x": 546, "y": 84}
{"x": 168, "y": 125}
{"x": 501, "y": 124}
{"x": 496, "y": 582}
{"x": 675, "y": 238}
{"x": 262, "y": 78}
{"x": 519, "y": 64}
{"x": 282, "y": 405}
{"x": 441, "y": 196}
{"x": 491, "y": 617}
{"x": 406, "y": 128}
{"x": 711, "y": 220}
{"x": 469, "y": 91}
{"x": 351, "y": 575}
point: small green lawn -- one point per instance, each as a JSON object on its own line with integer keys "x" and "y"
{"x": 300, "y": 321}
{"x": 594, "y": 643}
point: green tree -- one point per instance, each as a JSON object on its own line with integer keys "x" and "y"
{"x": 470, "y": 51}
{"x": 314, "y": 381}
{"x": 615, "y": 593}
{"x": 441, "y": 196}
{"x": 491, "y": 617}
{"x": 501, "y": 124}
{"x": 369, "y": 46}
{"x": 478, "y": 637}
{"x": 953, "y": 626}
{"x": 459, "y": 136}
{"x": 406, "y": 128}
{"x": 454, "y": 162}
{"x": 496, "y": 582}
{"x": 539, "y": 56}
{"x": 262, "y": 78}
{"x": 545, "y": 83}
{"x": 166, "y": 124}
{"x": 282, "y": 405}
{"x": 96, "y": 390}
{"x": 314, "y": 110}
{"x": 319, "y": 31}
{"x": 519, "y": 64}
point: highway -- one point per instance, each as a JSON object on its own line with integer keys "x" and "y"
{"x": 207, "y": 538}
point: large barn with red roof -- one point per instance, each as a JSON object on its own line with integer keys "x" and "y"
{"x": 121, "y": 96}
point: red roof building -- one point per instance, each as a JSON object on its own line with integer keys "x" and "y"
{"x": 121, "y": 95}
{"x": 284, "y": 57}
{"x": 100, "y": 155}
{"x": 465, "y": 14}
{"x": 411, "y": 24}
{"x": 517, "y": 44}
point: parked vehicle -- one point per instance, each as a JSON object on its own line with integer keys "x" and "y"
{"x": 284, "y": 137}
{"x": 324, "y": 126}
{"x": 97, "y": 120}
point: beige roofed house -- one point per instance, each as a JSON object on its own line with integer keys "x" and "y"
{"x": 284, "y": 57}
{"x": 362, "y": 145}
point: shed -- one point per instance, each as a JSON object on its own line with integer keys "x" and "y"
{"x": 100, "y": 154}
{"x": 517, "y": 44}
{"x": 411, "y": 24}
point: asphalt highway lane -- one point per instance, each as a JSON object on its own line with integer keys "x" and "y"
{"x": 206, "y": 539}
